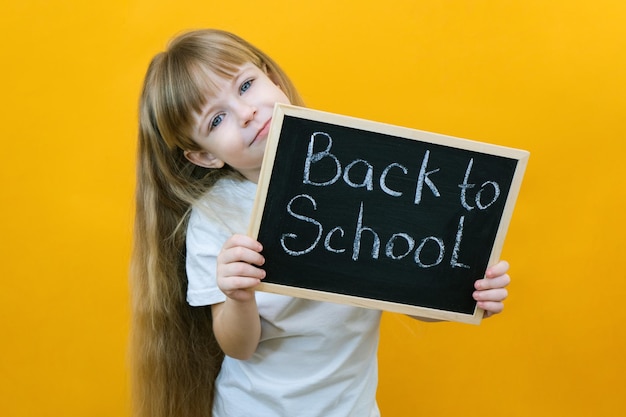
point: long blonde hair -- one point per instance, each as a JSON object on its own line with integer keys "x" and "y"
{"x": 174, "y": 355}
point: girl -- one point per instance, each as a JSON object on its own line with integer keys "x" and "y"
{"x": 205, "y": 113}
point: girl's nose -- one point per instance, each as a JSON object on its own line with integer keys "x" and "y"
{"x": 246, "y": 112}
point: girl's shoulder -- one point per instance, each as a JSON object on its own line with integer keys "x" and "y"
{"x": 229, "y": 188}
{"x": 228, "y": 202}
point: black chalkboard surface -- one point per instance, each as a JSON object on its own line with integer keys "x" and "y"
{"x": 380, "y": 216}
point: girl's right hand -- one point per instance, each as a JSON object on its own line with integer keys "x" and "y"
{"x": 238, "y": 269}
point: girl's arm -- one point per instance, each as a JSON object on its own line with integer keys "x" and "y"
{"x": 236, "y": 321}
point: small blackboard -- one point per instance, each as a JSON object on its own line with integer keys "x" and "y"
{"x": 380, "y": 216}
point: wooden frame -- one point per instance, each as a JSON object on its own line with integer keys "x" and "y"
{"x": 368, "y": 136}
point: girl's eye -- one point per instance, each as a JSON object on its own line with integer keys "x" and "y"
{"x": 244, "y": 87}
{"x": 216, "y": 121}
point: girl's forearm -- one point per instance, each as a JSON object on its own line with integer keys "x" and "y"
{"x": 237, "y": 327}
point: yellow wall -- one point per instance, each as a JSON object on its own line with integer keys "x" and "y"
{"x": 547, "y": 76}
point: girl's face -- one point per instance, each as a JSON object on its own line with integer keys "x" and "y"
{"x": 232, "y": 127}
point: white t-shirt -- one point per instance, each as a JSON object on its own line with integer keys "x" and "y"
{"x": 314, "y": 359}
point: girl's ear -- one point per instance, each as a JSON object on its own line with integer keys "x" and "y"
{"x": 203, "y": 159}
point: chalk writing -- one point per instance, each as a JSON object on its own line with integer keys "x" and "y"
{"x": 332, "y": 242}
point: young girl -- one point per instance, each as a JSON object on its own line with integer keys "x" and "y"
{"x": 205, "y": 112}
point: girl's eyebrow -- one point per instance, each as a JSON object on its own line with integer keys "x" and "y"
{"x": 204, "y": 114}
{"x": 208, "y": 110}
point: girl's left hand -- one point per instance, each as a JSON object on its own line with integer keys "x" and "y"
{"x": 491, "y": 291}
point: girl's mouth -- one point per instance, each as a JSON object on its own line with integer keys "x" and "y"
{"x": 263, "y": 132}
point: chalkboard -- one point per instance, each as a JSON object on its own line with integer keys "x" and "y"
{"x": 380, "y": 216}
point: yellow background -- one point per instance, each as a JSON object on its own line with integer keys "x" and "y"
{"x": 546, "y": 76}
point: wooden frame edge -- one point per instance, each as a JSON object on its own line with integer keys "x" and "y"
{"x": 282, "y": 110}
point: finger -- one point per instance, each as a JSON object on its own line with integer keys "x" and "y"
{"x": 500, "y": 268}
{"x": 240, "y": 254}
{"x": 239, "y": 278}
{"x": 240, "y": 269}
{"x": 241, "y": 248}
{"x": 490, "y": 307}
{"x": 237, "y": 283}
{"x": 497, "y": 295}
{"x": 500, "y": 281}
{"x": 243, "y": 241}
{"x": 239, "y": 293}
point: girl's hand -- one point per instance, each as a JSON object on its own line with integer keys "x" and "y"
{"x": 491, "y": 290}
{"x": 236, "y": 322}
{"x": 237, "y": 267}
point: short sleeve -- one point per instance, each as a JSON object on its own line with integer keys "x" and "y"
{"x": 204, "y": 242}
{"x": 223, "y": 211}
